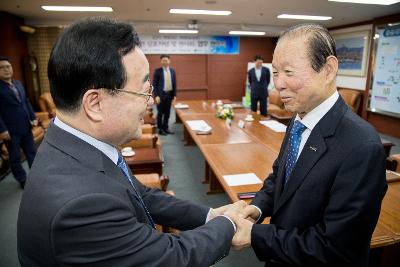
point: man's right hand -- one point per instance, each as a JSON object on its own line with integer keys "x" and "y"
{"x": 157, "y": 99}
{"x": 5, "y": 136}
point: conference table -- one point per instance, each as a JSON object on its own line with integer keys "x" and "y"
{"x": 230, "y": 149}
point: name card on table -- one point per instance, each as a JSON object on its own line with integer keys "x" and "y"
{"x": 274, "y": 126}
{"x": 242, "y": 179}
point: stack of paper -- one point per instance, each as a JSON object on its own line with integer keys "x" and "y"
{"x": 274, "y": 125}
{"x": 199, "y": 126}
{"x": 242, "y": 179}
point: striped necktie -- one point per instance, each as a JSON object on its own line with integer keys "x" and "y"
{"x": 168, "y": 85}
{"x": 294, "y": 145}
{"x": 122, "y": 165}
{"x": 15, "y": 91}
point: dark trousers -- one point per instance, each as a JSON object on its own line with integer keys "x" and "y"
{"x": 263, "y": 104}
{"x": 24, "y": 141}
{"x": 164, "y": 110}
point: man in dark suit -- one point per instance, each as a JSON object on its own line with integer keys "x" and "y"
{"x": 16, "y": 120}
{"x": 259, "y": 79}
{"x": 325, "y": 191}
{"x": 82, "y": 205}
{"x": 164, "y": 83}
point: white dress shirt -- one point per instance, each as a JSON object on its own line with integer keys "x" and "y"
{"x": 258, "y": 73}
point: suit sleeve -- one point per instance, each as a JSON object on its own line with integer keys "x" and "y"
{"x": 3, "y": 127}
{"x": 174, "y": 82}
{"x": 249, "y": 75}
{"x": 87, "y": 234}
{"x": 174, "y": 212}
{"x": 264, "y": 198}
{"x": 349, "y": 217}
{"x": 32, "y": 115}
{"x": 268, "y": 79}
{"x": 156, "y": 82}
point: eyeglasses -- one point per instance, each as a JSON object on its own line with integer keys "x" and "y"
{"x": 5, "y": 67}
{"x": 147, "y": 95}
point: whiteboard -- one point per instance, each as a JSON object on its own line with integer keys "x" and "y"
{"x": 385, "y": 92}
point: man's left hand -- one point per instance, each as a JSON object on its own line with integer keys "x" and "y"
{"x": 242, "y": 237}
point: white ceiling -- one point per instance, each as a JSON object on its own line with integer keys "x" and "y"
{"x": 150, "y": 15}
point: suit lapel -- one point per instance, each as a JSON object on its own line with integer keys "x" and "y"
{"x": 313, "y": 150}
{"x": 84, "y": 153}
{"x": 307, "y": 159}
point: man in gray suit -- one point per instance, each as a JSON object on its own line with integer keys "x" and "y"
{"x": 82, "y": 206}
{"x": 328, "y": 182}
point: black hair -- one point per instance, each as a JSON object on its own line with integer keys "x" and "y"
{"x": 258, "y": 57}
{"x": 88, "y": 55}
{"x": 164, "y": 55}
{"x": 320, "y": 42}
{"x": 3, "y": 58}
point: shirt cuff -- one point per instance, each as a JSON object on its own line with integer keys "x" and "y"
{"x": 259, "y": 210}
{"x": 209, "y": 214}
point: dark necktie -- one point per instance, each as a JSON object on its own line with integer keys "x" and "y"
{"x": 294, "y": 145}
{"x": 122, "y": 165}
{"x": 15, "y": 91}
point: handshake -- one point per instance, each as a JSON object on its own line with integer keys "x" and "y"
{"x": 243, "y": 216}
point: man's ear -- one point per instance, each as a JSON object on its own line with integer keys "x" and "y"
{"x": 91, "y": 104}
{"x": 331, "y": 68}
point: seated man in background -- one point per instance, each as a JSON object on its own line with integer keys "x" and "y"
{"x": 325, "y": 192}
{"x": 82, "y": 205}
{"x": 16, "y": 121}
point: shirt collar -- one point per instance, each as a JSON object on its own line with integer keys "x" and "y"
{"x": 109, "y": 150}
{"x": 314, "y": 116}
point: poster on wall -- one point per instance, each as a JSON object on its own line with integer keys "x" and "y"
{"x": 250, "y": 65}
{"x": 352, "y": 53}
{"x": 175, "y": 44}
{"x": 385, "y": 94}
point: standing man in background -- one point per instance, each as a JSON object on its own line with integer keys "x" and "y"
{"x": 164, "y": 83}
{"x": 259, "y": 79}
{"x": 16, "y": 120}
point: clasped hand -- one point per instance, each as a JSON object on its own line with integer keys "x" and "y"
{"x": 243, "y": 216}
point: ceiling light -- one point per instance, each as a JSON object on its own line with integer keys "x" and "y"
{"x": 370, "y": 2}
{"x": 179, "y": 31}
{"x": 305, "y": 17}
{"x": 246, "y": 33}
{"x": 200, "y": 12}
{"x": 79, "y": 8}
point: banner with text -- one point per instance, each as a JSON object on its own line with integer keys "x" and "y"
{"x": 168, "y": 44}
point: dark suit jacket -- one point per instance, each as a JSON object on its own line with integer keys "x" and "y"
{"x": 259, "y": 88}
{"x": 158, "y": 81}
{"x": 79, "y": 209}
{"x": 15, "y": 116}
{"x": 328, "y": 210}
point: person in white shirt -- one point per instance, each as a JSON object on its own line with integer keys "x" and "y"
{"x": 259, "y": 79}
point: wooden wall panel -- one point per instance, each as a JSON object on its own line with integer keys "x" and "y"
{"x": 216, "y": 76}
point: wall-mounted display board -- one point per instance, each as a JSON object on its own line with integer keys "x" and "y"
{"x": 384, "y": 94}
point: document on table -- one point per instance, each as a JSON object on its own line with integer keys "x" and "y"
{"x": 274, "y": 126}
{"x": 242, "y": 179}
{"x": 199, "y": 126}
